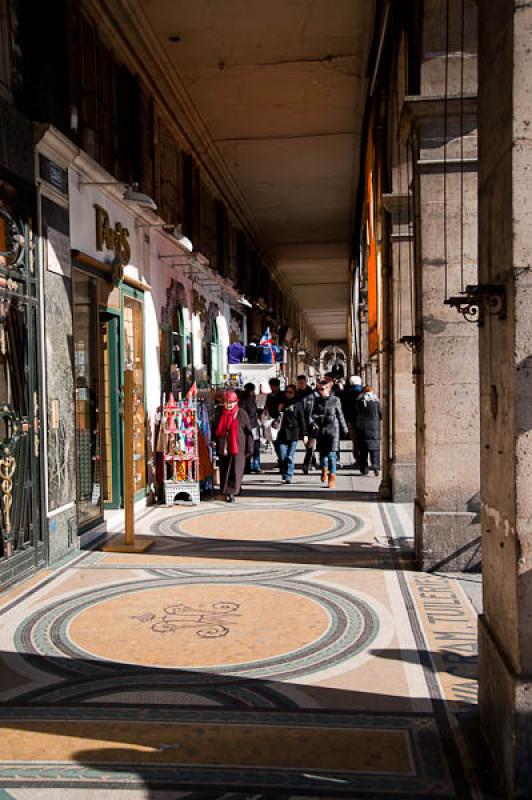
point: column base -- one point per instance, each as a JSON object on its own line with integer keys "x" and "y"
{"x": 506, "y": 715}
{"x": 403, "y": 475}
{"x": 447, "y": 541}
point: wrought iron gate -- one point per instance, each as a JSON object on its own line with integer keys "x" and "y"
{"x": 21, "y": 543}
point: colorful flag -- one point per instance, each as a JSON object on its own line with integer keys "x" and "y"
{"x": 192, "y": 392}
{"x": 267, "y": 341}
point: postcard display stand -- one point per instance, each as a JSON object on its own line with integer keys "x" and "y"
{"x": 181, "y": 459}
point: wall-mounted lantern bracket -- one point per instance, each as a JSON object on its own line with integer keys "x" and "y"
{"x": 478, "y": 300}
{"x": 412, "y": 343}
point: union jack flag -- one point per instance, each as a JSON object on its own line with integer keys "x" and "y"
{"x": 267, "y": 341}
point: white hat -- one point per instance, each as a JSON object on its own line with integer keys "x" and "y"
{"x": 355, "y": 380}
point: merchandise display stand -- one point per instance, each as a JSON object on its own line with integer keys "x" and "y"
{"x": 179, "y": 424}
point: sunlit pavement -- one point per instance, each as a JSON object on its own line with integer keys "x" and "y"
{"x": 279, "y": 647}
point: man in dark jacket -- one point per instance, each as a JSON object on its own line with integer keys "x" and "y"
{"x": 274, "y": 398}
{"x": 292, "y": 429}
{"x": 306, "y": 395}
{"x": 351, "y": 395}
{"x": 368, "y": 430}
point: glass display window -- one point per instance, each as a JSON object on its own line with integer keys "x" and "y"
{"x": 133, "y": 321}
{"x": 87, "y": 388}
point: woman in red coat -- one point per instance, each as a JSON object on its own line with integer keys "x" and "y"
{"x": 234, "y": 443}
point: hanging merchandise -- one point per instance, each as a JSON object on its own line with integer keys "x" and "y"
{"x": 178, "y": 444}
{"x": 236, "y": 353}
{"x": 205, "y": 449}
{"x": 266, "y": 351}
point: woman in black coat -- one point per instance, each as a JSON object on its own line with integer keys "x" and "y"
{"x": 234, "y": 443}
{"x": 292, "y": 429}
{"x": 367, "y": 422}
{"x": 329, "y": 419}
{"x": 248, "y": 403}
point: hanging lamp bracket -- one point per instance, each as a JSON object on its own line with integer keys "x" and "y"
{"x": 412, "y": 343}
{"x": 478, "y": 300}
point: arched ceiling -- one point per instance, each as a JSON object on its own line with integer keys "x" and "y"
{"x": 281, "y": 87}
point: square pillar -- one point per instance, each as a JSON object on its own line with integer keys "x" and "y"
{"x": 403, "y": 405}
{"x": 443, "y": 116}
{"x": 505, "y": 216}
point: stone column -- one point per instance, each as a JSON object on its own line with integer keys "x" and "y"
{"x": 505, "y": 210}
{"x": 447, "y": 532}
{"x": 403, "y": 407}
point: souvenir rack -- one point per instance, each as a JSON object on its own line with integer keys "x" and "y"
{"x": 180, "y": 450}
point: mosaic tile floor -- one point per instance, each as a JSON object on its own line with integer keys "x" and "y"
{"x": 281, "y": 647}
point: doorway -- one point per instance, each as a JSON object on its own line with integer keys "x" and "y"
{"x": 108, "y": 339}
{"x": 111, "y": 407}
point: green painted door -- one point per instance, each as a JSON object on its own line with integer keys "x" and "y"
{"x": 110, "y": 400}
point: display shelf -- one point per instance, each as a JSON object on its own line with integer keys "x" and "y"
{"x": 179, "y": 431}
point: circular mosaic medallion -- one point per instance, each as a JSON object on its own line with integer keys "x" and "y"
{"x": 261, "y": 525}
{"x": 198, "y": 626}
{"x": 272, "y": 629}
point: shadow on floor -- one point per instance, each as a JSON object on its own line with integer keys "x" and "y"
{"x": 239, "y": 734}
{"x": 294, "y": 491}
{"x": 389, "y": 555}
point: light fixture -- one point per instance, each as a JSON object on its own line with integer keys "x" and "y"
{"x": 245, "y": 302}
{"x": 131, "y": 193}
{"x": 162, "y": 225}
{"x": 183, "y": 240}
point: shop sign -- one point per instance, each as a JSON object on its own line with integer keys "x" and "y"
{"x": 115, "y": 239}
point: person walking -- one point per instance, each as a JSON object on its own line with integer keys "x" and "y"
{"x": 248, "y": 403}
{"x": 292, "y": 429}
{"x": 330, "y": 420}
{"x": 271, "y": 411}
{"x": 307, "y": 396}
{"x": 336, "y": 386}
{"x": 367, "y": 423}
{"x": 274, "y": 398}
{"x": 234, "y": 442}
{"x": 351, "y": 395}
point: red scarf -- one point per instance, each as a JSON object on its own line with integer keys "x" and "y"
{"x": 228, "y": 426}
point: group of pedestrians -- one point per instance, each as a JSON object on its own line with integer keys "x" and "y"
{"x": 319, "y": 417}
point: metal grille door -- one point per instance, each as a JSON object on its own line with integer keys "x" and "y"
{"x": 21, "y": 545}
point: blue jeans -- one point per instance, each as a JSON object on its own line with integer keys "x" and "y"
{"x": 287, "y": 451}
{"x": 328, "y": 461}
{"x": 255, "y": 458}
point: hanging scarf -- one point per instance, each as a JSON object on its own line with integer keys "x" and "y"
{"x": 229, "y": 427}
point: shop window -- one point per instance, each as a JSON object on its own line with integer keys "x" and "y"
{"x": 134, "y": 360}
{"x": 88, "y": 473}
{"x": 169, "y": 176}
{"x": 109, "y": 106}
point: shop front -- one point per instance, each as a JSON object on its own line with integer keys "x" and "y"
{"x": 109, "y": 338}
